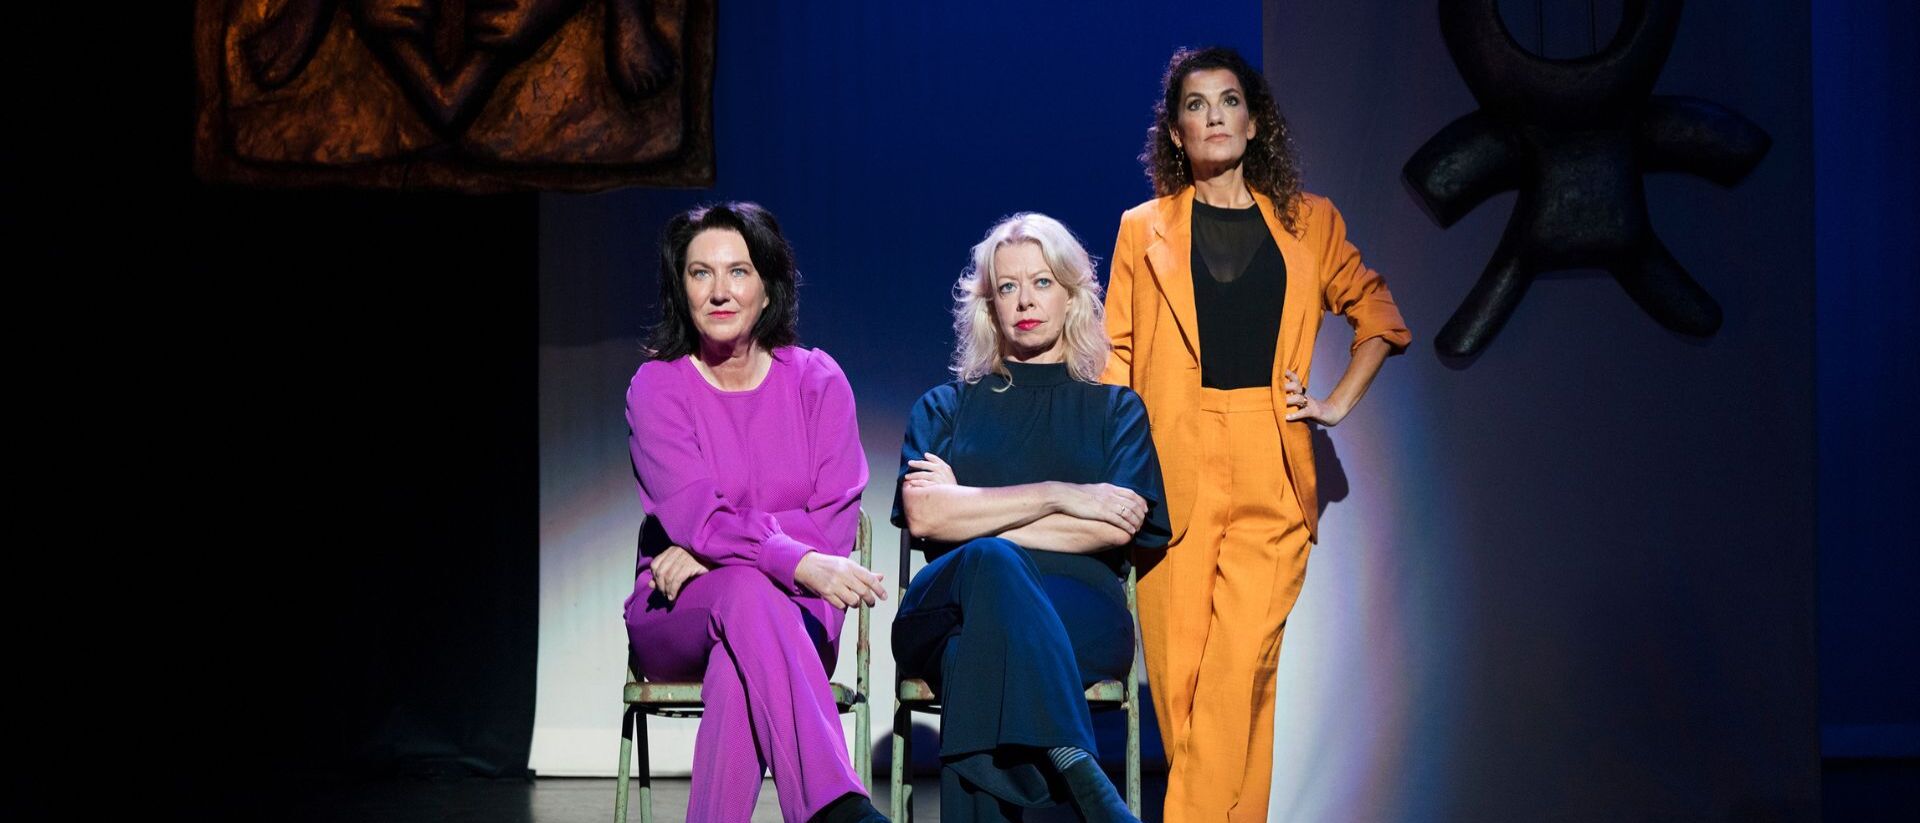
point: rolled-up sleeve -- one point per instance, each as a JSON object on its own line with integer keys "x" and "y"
{"x": 1347, "y": 287}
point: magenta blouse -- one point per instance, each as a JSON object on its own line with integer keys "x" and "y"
{"x": 757, "y": 477}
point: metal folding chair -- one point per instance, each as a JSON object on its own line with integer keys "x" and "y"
{"x": 650, "y": 697}
{"x": 913, "y": 694}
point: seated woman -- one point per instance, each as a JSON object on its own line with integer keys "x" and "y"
{"x": 1023, "y": 480}
{"x": 748, "y": 459}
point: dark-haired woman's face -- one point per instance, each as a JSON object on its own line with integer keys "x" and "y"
{"x": 1212, "y": 123}
{"x": 724, "y": 291}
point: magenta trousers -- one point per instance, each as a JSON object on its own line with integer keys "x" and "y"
{"x": 762, "y": 657}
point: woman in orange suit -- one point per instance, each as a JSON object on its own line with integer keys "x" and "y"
{"x": 1217, "y": 292}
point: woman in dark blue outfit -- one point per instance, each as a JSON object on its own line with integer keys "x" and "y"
{"x": 1024, "y": 480}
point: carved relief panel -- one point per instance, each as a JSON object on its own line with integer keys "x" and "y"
{"x": 469, "y": 95}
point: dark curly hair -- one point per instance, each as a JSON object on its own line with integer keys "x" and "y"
{"x": 1270, "y": 166}
{"x": 675, "y": 336}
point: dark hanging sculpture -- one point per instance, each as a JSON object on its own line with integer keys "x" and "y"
{"x": 1574, "y": 137}
{"x": 471, "y": 95}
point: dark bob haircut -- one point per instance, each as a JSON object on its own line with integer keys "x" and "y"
{"x": 676, "y": 336}
{"x": 1269, "y": 165}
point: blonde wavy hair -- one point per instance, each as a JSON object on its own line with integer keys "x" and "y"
{"x": 977, "y": 350}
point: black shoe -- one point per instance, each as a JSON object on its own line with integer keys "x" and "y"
{"x": 1093, "y": 794}
{"x": 852, "y": 807}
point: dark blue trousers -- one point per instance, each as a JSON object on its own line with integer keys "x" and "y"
{"x": 1010, "y": 639}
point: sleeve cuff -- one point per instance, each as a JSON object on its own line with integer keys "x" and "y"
{"x": 779, "y": 556}
{"x": 1397, "y": 339}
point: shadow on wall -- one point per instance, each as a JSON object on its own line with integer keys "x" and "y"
{"x": 1332, "y": 476}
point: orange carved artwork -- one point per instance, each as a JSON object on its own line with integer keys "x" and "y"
{"x": 469, "y": 95}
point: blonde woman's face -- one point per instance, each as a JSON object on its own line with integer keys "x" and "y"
{"x": 1029, "y": 305}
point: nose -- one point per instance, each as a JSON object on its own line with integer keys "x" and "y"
{"x": 1025, "y": 296}
{"x": 1215, "y": 116}
{"x": 722, "y": 291}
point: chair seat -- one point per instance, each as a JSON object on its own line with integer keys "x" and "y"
{"x": 916, "y": 690}
{"x": 683, "y": 699}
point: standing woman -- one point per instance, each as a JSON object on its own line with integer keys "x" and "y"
{"x": 1216, "y": 297}
{"x": 748, "y": 459}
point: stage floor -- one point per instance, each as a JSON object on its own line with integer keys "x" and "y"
{"x": 562, "y": 800}
{"x": 1867, "y": 791}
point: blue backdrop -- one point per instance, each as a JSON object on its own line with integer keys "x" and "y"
{"x": 887, "y": 137}
{"x": 1575, "y": 580}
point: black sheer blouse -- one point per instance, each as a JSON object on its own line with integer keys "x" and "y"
{"x": 1239, "y": 287}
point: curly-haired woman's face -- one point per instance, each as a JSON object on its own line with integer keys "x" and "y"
{"x": 724, "y": 291}
{"x": 1213, "y": 123}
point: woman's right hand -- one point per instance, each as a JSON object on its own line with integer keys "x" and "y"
{"x": 839, "y": 580}
{"x": 1105, "y": 502}
{"x": 673, "y": 568}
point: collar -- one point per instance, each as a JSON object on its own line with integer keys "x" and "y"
{"x": 1037, "y": 374}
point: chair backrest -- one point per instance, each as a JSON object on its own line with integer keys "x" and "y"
{"x": 906, "y": 563}
{"x": 863, "y": 651}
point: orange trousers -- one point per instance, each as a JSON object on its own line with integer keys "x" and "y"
{"x": 1213, "y": 609}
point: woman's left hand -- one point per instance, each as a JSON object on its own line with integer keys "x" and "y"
{"x": 931, "y": 471}
{"x": 673, "y": 568}
{"x": 1304, "y": 407}
{"x": 839, "y": 580}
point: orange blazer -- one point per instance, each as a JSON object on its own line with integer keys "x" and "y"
{"x": 1156, "y": 347}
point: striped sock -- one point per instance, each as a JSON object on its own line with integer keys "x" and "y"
{"x": 1065, "y": 756}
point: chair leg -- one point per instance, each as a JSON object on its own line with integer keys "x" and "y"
{"x": 626, "y": 766}
{"x": 645, "y": 771}
{"x": 1133, "y": 749}
{"x": 1133, "y": 695}
{"x": 901, "y": 801}
{"x": 863, "y": 743}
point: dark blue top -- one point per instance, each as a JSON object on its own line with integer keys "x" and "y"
{"x": 1044, "y": 426}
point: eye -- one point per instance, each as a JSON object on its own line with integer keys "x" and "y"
{"x": 1193, "y": 104}
{"x": 1233, "y": 100}
{"x": 1005, "y": 288}
{"x": 699, "y": 274}
{"x": 739, "y": 272}
{"x": 1042, "y": 282}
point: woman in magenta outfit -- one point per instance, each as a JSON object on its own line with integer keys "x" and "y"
{"x": 748, "y": 459}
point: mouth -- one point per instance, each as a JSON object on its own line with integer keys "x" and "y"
{"x": 722, "y": 315}
{"x": 1218, "y": 138}
{"x": 1028, "y": 325}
